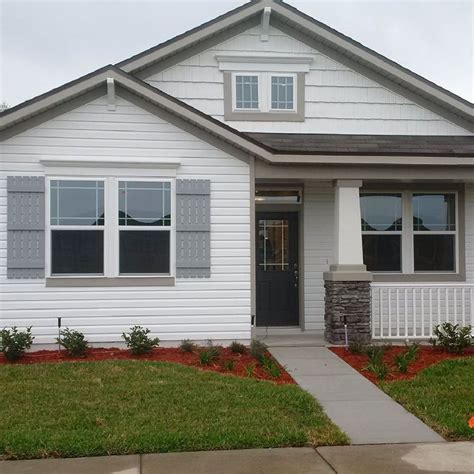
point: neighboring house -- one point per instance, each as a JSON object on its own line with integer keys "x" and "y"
{"x": 218, "y": 182}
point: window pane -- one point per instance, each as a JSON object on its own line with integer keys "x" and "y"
{"x": 382, "y": 253}
{"x": 282, "y": 93}
{"x": 144, "y": 251}
{"x": 435, "y": 253}
{"x": 246, "y": 92}
{"x": 77, "y": 203}
{"x": 77, "y": 252}
{"x": 434, "y": 212}
{"x": 144, "y": 203}
{"x": 381, "y": 212}
{"x": 273, "y": 246}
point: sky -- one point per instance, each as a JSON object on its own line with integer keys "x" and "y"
{"x": 44, "y": 44}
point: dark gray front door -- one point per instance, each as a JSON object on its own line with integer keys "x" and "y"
{"x": 277, "y": 269}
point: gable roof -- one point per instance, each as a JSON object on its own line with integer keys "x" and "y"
{"x": 389, "y": 73}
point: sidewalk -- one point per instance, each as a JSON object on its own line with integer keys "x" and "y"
{"x": 391, "y": 459}
{"x": 356, "y": 405}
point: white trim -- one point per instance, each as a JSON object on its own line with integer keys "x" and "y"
{"x": 111, "y": 102}
{"x": 111, "y": 163}
{"x": 267, "y": 11}
{"x": 253, "y": 63}
{"x": 295, "y": 86}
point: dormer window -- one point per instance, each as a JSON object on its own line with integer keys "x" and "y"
{"x": 264, "y": 88}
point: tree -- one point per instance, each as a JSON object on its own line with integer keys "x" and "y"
{"x": 3, "y": 106}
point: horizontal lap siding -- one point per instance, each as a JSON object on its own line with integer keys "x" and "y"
{"x": 217, "y": 308}
{"x": 318, "y": 248}
{"x": 338, "y": 100}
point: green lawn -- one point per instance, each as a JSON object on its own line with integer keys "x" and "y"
{"x": 442, "y": 396}
{"x": 121, "y": 407}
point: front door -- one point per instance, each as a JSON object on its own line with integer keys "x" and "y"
{"x": 277, "y": 269}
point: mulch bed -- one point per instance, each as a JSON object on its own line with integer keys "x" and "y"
{"x": 162, "y": 354}
{"x": 425, "y": 357}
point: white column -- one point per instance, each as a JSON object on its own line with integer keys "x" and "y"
{"x": 348, "y": 256}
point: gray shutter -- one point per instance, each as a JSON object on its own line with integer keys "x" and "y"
{"x": 193, "y": 228}
{"x": 25, "y": 227}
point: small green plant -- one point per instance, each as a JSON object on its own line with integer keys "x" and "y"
{"x": 249, "y": 370}
{"x": 209, "y": 353}
{"x": 270, "y": 366}
{"x": 258, "y": 349}
{"x": 376, "y": 363}
{"x": 229, "y": 365}
{"x": 405, "y": 358}
{"x": 357, "y": 346}
{"x": 138, "y": 340}
{"x": 187, "y": 346}
{"x": 452, "y": 338}
{"x": 237, "y": 348}
{"x": 14, "y": 343}
{"x": 74, "y": 342}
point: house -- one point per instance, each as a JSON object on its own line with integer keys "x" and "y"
{"x": 261, "y": 172}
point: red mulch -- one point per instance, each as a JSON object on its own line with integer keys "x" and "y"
{"x": 161, "y": 354}
{"x": 425, "y": 357}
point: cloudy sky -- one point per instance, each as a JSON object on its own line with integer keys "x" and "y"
{"x": 47, "y": 43}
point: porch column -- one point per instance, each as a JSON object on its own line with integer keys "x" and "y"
{"x": 347, "y": 283}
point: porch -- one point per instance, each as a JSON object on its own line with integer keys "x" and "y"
{"x": 405, "y": 270}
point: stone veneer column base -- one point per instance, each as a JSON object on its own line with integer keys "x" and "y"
{"x": 347, "y": 302}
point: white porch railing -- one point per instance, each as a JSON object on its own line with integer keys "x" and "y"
{"x": 410, "y": 311}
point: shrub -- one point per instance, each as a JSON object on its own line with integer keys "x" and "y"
{"x": 229, "y": 365}
{"x": 357, "y": 346}
{"x": 452, "y": 337}
{"x": 237, "y": 348}
{"x": 187, "y": 346}
{"x": 249, "y": 370}
{"x": 258, "y": 349}
{"x": 14, "y": 343}
{"x": 208, "y": 354}
{"x": 403, "y": 360}
{"x": 74, "y": 342}
{"x": 270, "y": 366}
{"x": 376, "y": 363}
{"x": 138, "y": 340}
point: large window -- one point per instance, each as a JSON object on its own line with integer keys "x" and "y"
{"x": 283, "y": 92}
{"x": 409, "y": 232}
{"x": 133, "y": 217}
{"x": 246, "y": 92}
{"x": 77, "y": 227}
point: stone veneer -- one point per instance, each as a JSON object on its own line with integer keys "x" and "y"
{"x": 347, "y": 302}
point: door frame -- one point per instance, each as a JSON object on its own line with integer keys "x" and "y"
{"x": 298, "y": 209}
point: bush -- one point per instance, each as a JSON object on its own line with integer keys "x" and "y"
{"x": 14, "y": 343}
{"x": 270, "y": 366}
{"x": 357, "y": 346}
{"x": 376, "y": 363}
{"x": 258, "y": 349}
{"x": 74, "y": 342}
{"x": 237, "y": 348}
{"x": 138, "y": 340}
{"x": 404, "y": 359}
{"x": 209, "y": 354}
{"x": 249, "y": 370}
{"x": 452, "y": 338}
{"x": 187, "y": 346}
{"x": 229, "y": 365}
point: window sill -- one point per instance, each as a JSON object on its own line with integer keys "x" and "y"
{"x": 66, "y": 282}
{"x": 417, "y": 277}
{"x": 257, "y": 116}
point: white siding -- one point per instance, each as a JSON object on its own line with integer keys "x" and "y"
{"x": 469, "y": 230}
{"x": 338, "y": 99}
{"x": 217, "y": 308}
{"x": 318, "y": 249}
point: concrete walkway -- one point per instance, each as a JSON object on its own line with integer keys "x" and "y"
{"x": 394, "y": 459}
{"x": 357, "y": 406}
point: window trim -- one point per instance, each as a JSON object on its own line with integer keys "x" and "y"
{"x": 265, "y": 113}
{"x": 408, "y": 274}
{"x": 111, "y": 233}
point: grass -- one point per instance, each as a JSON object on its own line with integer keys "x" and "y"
{"x": 441, "y": 395}
{"x": 122, "y": 407}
